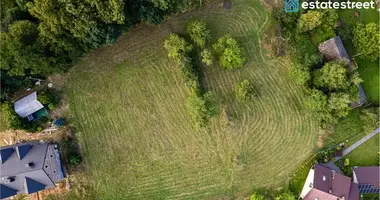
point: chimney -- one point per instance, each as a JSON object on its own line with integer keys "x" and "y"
{"x": 29, "y": 165}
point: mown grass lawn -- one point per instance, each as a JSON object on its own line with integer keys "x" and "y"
{"x": 366, "y": 154}
{"x": 369, "y": 72}
{"x": 128, "y": 104}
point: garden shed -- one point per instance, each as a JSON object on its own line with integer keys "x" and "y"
{"x": 333, "y": 49}
{"x": 28, "y": 106}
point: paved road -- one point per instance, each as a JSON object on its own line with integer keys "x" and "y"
{"x": 358, "y": 143}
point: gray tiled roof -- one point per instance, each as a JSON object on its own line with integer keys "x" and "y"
{"x": 37, "y": 169}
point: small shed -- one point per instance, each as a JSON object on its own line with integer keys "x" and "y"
{"x": 27, "y": 106}
{"x": 333, "y": 49}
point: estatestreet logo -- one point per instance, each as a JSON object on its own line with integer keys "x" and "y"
{"x": 293, "y": 5}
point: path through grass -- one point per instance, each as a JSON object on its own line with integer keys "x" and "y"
{"x": 127, "y": 102}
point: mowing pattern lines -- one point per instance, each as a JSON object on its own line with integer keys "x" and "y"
{"x": 128, "y": 104}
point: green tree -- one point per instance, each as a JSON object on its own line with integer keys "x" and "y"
{"x": 310, "y": 20}
{"x": 9, "y": 118}
{"x": 316, "y": 101}
{"x": 369, "y": 118}
{"x": 300, "y": 74}
{"x": 232, "y": 56}
{"x": 21, "y": 51}
{"x": 331, "y": 76}
{"x": 338, "y": 103}
{"x": 177, "y": 47}
{"x": 206, "y": 57}
{"x": 367, "y": 40}
{"x": 244, "y": 91}
{"x": 199, "y": 33}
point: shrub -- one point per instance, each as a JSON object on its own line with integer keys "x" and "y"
{"x": 256, "y": 196}
{"x": 300, "y": 74}
{"x": 310, "y": 20}
{"x": 206, "y": 57}
{"x": 369, "y": 118}
{"x": 9, "y": 118}
{"x": 200, "y": 108}
{"x": 198, "y": 32}
{"x": 48, "y": 98}
{"x": 177, "y": 47}
{"x": 244, "y": 91}
{"x": 232, "y": 56}
{"x": 322, "y": 34}
{"x": 285, "y": 196}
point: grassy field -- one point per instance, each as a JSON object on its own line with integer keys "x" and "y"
{"x": 369, "y": 71}
{"x": 366, "y": 154}
{"x": 127, "y": 102}
{"x": 348, "y": 130}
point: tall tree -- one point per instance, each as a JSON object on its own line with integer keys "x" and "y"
{"x": 332, "y": 76}
{"x": 367, "y": 40}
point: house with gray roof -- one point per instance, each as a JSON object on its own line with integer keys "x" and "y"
{"x": 333, "y": 49}
{"x": 27, "y": 168}
{"x": 28, "y": 106}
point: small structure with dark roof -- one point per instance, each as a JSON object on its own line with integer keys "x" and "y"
{"x": 28, "y": 168}
{"x": 333, "y": 49}
{"x": 368, "y": 179}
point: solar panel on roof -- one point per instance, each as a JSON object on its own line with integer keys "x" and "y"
{"x": 22, "y": 150}
{"x": 33, "y": 186}
{"x": 6, "y": 191}
{"x": 5, "y": 153}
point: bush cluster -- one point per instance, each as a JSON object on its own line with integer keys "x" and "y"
{"x": 200, "y": 106}
{"x": 244, "y": 91}
{"x": 231, "y": 54}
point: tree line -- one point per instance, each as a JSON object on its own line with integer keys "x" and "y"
{"x": 40, "y": 37}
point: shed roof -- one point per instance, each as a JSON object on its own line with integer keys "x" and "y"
{"x": 27, "y": 105}
{"x": 333, "y": 49}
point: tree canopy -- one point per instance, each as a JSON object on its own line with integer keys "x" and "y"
{"x": 231, "y": 54}
{"x": 177, "y": 47}
{"x": 331, "y": 76}
{"x": 367, "y": 40}
{"x": 198, "y": 32}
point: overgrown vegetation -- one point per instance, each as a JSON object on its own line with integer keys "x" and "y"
{"x": 199, "y": 32}
{"x": 41, "y": 37}
{"x": 200, "y": 106}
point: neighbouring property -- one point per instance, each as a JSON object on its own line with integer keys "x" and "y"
{"x": 28, "y": 168}
{"x": 326, "y": 182}
{"x": 29, "y": 107}
{"x": 332, "y": 50}
{"x": 367, "y": 178}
